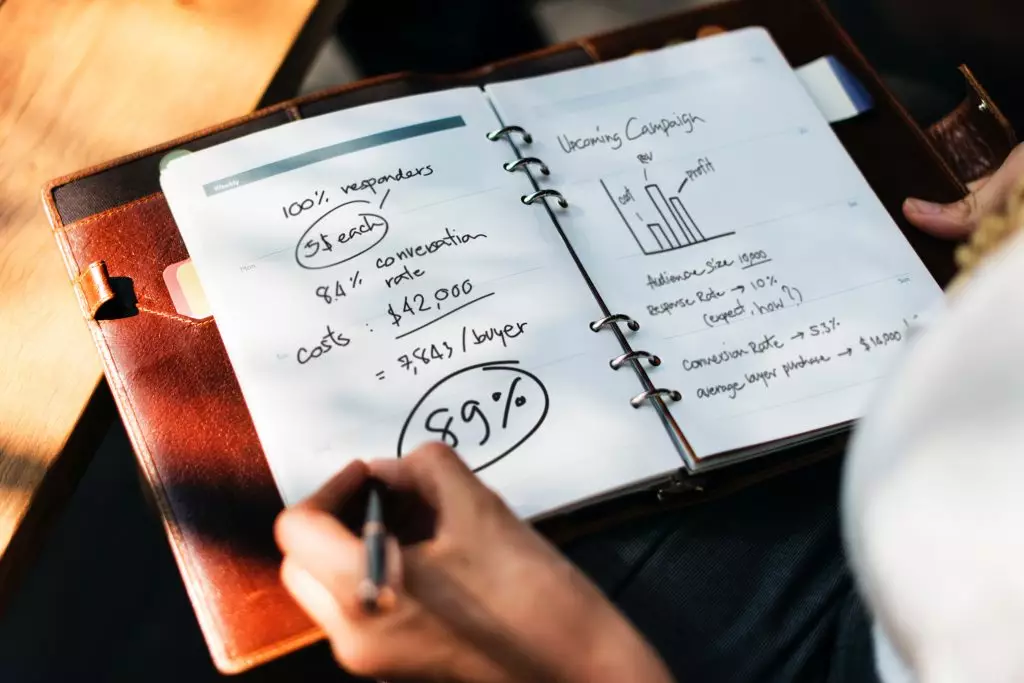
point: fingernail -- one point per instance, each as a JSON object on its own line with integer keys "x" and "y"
{"x": 921, "y": 206}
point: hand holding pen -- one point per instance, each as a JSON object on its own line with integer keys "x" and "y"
{"x": 463, "y": 590}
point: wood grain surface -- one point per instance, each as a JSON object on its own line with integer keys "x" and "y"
{"x": 81, "y": 82}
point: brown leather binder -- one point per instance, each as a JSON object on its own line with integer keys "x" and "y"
{"x": 181, "y": 403}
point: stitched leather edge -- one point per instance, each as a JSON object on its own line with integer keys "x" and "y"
{"x": 993, "y": 108}
{"x": 112, "y": 211}
{"x": 177, "y": 316}
{"x": 195, "y": 588}
{"x": 225, "y": 657}
{"x": 143, "y": 455}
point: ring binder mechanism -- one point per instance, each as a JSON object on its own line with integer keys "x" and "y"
{"x": 610, "y": 320}
{"x": 524, "y": 163}
{"x": 598, "y": 325}
{"x": 618, "y": 362}
{"x": 513, "y": 166}
{"x": 506, "y": 132}
{"x": 631, "y": 355}
{"x": 540, "y": 194}
{"x": 639, "y": 399}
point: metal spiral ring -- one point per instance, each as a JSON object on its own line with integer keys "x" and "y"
{"x": 513, "y": 166}
{"x": 540, "y": 194}
{"x": 617, "y": 363}
{"x": 597, "y": 325}
{"x": 506, "y": 132}
{"x": 639, "y": 399}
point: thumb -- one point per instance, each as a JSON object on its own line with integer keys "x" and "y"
{"x": 318, "y": 548}
{"x": 959, "y": 219}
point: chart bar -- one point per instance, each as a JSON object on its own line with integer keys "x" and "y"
{"x": 676, "y": 230}
{"x": 658, "y": 200}
{"x": 655, "y": 228}
{"x": 681, "y": 211}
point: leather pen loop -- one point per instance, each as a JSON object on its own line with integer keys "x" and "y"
{"x": 93, "y": 284}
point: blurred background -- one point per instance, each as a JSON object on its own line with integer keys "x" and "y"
{"x": 916, "y": 45}
{"x": 450, "y": 36}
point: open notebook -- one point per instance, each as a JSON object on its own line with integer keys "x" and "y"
{"x": 672, "y": 263}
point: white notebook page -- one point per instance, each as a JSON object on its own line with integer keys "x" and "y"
{"x": 377, "y": 283}
{"x": 711, "y": 201}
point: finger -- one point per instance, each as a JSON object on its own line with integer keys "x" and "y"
{"x": 320, "y": 545}
{"x": 314, "y": 598}
{"x": 332, "y": 495}
{"x": 948, "y": 221}
{"x": 434, "y": 471}
{"x": 402, "y": 478}
{"x": 959, "y": 219}
{"x": 362, "y": 646}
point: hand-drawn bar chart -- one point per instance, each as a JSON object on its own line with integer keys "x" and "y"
{"x": 665, "y": 224}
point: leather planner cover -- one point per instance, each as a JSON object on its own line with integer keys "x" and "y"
{"x": 181, "y": 403}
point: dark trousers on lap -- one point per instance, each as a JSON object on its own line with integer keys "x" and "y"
{"x": 752, "y": 587}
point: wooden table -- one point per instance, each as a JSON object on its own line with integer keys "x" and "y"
{"x": 82, "y": 82}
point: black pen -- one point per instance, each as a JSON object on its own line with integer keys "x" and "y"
{"x": 374, "y": 538}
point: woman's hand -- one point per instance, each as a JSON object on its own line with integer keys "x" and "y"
{"x": 960, "y": 219}
{"x": 484, "y": 599}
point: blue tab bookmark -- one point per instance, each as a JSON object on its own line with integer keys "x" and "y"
{"x": 836, "y": 91}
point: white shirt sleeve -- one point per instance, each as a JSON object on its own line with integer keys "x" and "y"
{"x": 933, "y": 494}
